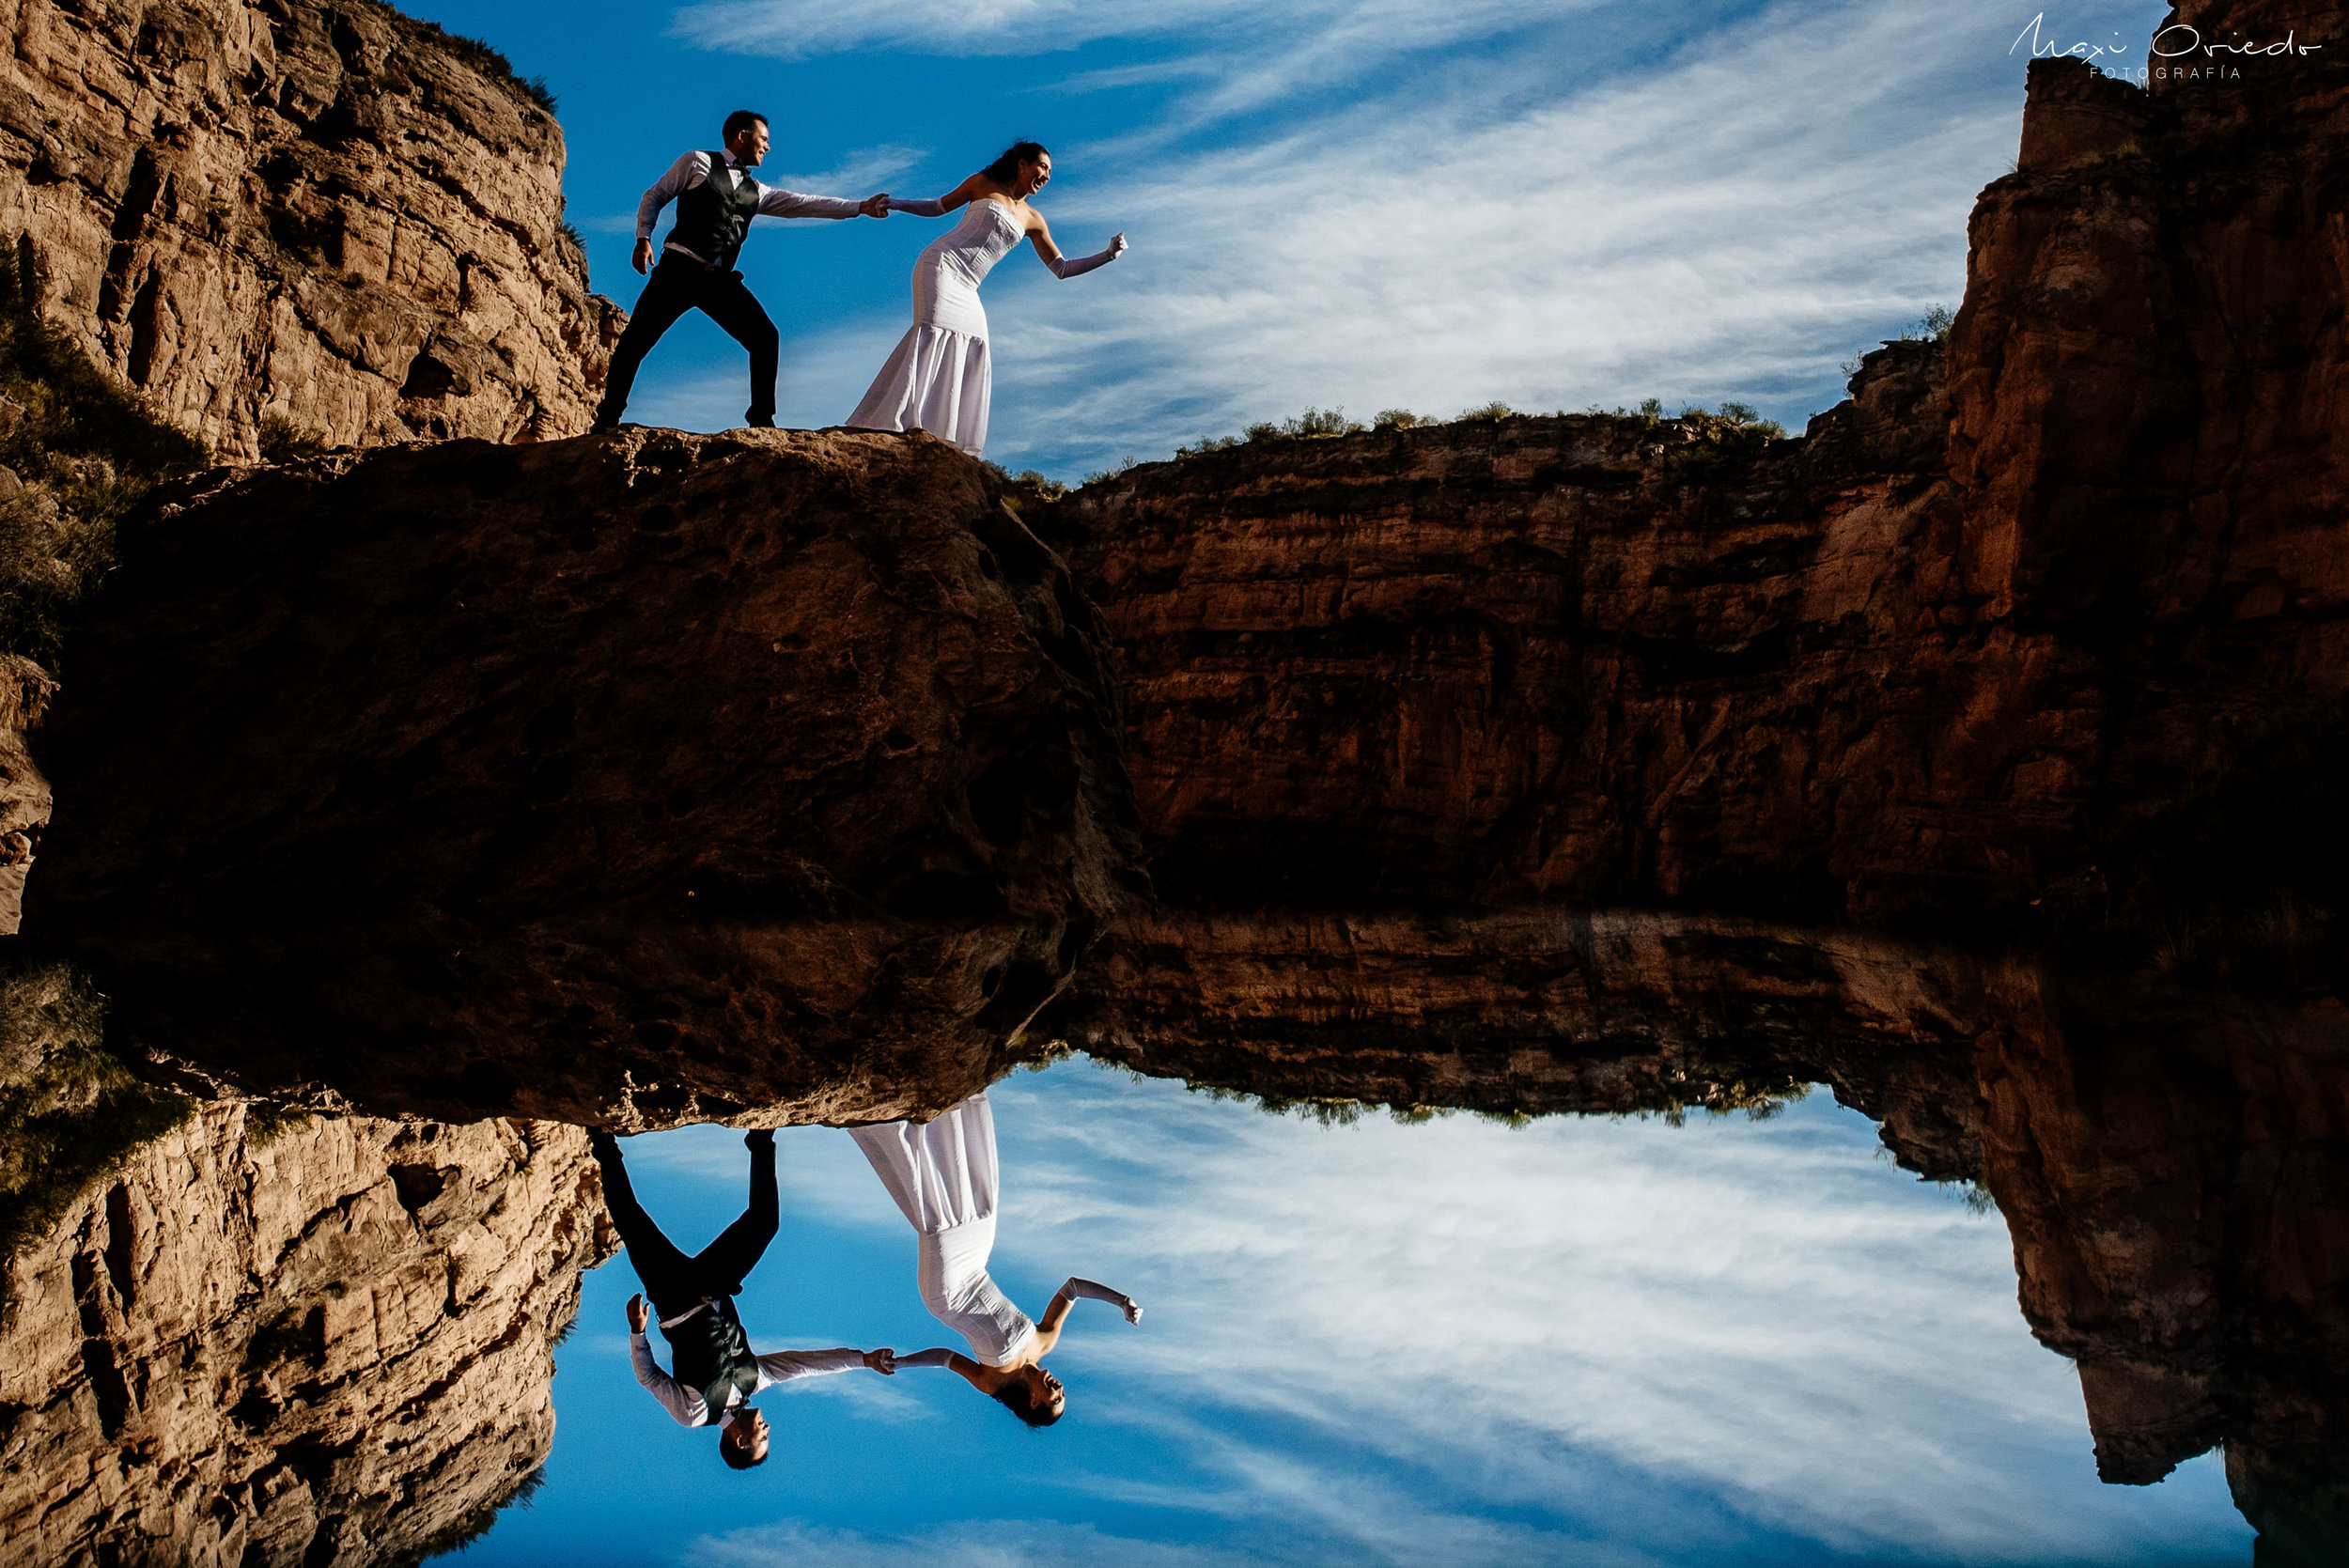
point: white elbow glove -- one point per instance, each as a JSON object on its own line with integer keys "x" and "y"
{"x": 1087, "y": 1290}
{"x": 1069, "y": 267}
{"x": 927, "y": 207}
{"x": 923, "y": 1358}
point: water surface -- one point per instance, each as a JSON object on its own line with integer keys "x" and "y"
{"x": 1577, "y": 1339}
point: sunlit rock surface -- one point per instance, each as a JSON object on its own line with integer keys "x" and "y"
{"x": 328, "y": 1345}
{"x": 316, "y": 209}
{"x": 633, "y": 780}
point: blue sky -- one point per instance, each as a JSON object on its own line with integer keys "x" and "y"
{"x": 1364, "y": 203}
{"x": 1577, "y": 1341}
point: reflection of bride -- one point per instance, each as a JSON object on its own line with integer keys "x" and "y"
{"x": 942, "y": 1175}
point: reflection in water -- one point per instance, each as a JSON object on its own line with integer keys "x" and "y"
{"x": 712, "y": 1367}
{"x": 944, "y": 1178}
{"x": 268, "y": 1342}
{"x": 2177, "y": 1183}
{"x": 1580, "y": 1339}
{"x": 1456, "y": 1339}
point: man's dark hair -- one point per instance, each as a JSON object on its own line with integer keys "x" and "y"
{"x": 1006, "y": 168}
{"x": 743, "y": 120}
{"x": 1014, "y": 1397}
{"x": 737, "y": 1455}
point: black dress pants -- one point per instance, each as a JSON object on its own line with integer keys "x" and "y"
{"x": 680, "y": 283}
{"x": 673, "y": 1281}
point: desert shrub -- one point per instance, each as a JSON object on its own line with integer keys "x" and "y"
{"x": 68, "y": 1110}
{"x": 1027, "y": 488}
{"x": 1398, "y": 419}
{"x": 284, "y": 442}
{"x": 1492, "y": 413}
{"x": 81, "y": 451}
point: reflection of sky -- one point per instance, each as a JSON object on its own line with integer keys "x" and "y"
{"x": 1455, "y": 1342}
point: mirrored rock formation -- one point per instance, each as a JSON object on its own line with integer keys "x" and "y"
{"x": 633, "y": 780}
{"x": 272, "y": 1340}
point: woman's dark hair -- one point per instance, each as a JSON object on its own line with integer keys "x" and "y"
{"x": 743, "y": 120}
{"x": 1006, "y": 168}
{"x": 735, "y": 1455}
{"x": 1013, "y": 1396}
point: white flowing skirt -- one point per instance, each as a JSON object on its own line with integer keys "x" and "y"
{"x": 943, "y": 1176}
{"x": 938, "y": 378}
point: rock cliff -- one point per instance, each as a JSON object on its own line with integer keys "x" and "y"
{"x": 1998, "y": 612}
{"x": 318, "y": 1344}
{"x": 316, "y": 209}
{"x": 632, "y": 780}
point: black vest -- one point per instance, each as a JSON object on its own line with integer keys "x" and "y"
{"x": 711, "y": 220}
{"x": 709, "y": 1353}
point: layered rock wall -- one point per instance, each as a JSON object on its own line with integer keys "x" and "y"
{"x": 332, "y": 1345}
{"x": 634, "y": 780}
{"x": 315, "y": 210}
{"x": 1925, "y": 663}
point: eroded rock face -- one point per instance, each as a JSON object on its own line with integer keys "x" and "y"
{"x": 2172, "y": 1176}
{"x": 1541, "y": 1010}
{"x": 327, "y": 1346}
{"x": 633, "y": 780}
{"x": 311, "y": 209}
{"x": 1928, "y": 662}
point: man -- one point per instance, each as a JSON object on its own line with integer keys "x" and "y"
{"x": 713, "y": 1373}
{"x": 716, "y": 199}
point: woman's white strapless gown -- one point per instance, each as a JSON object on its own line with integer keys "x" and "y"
{"x": 938, "y": 379}
{"x": 942, "y": 1176}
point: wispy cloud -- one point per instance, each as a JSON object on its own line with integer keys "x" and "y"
{"x": 859, "y": 174}
{"x": 1560, "y": 1317}
{"x": 801, "y": 29}
{"x": 1690, "y": 201}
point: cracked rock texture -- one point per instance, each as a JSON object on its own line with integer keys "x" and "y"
{"x": 633, "y": 780}
{"x": 311, "y": 209}
{"x": 328, "y": 1346}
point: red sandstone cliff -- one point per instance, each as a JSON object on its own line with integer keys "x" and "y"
{"x": 328, "y": 1346}
{"x": 633, "y": 780}
{"x": 311, "y": 209}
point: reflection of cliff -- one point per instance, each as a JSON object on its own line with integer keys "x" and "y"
{"x": 2177, "y": 1183}
{"x": 317, "y": 210}
{"x": 328, "y": 1345}
{"x": 637, "y": 780}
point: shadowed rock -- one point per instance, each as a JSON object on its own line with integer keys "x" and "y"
{"x": 635, "y": 780}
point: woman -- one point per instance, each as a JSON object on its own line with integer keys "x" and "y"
{"x": 942, "y": 1175}
{"x": 938, "y": 378}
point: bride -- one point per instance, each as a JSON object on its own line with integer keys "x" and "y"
{"x": 938, "y": 380}
{"x": 942, "y": 1176}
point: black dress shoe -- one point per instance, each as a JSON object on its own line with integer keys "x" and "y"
{"x": 604, "y": 424}
{"x": 602, "y": 1143}
{"x": 759, "y": 1138}
{"x": 766, "y": 423}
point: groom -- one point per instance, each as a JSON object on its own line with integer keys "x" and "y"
{"x": 716, "y": 199}
{"x": 714, "y": 1373}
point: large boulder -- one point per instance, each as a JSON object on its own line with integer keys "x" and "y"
{"x": 631, "y": 779}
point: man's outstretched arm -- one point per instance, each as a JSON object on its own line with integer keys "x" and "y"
{"x": 791, "y": 204}
{"x": 782, "y": 1365}
{"x": 680, "y": 1402}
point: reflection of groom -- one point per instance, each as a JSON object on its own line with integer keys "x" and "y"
{"x": 716, "y": 199}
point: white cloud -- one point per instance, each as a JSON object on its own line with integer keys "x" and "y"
{"x": 985, "y": 1544}
{"x": 858, "y": 174}
{"x": 1578, "y": 1317}
{"x": 801, "y": 29}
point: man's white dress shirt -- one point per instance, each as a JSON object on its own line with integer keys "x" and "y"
{"x": 691, "y": 1409}
{"x": 694, "y": 168}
